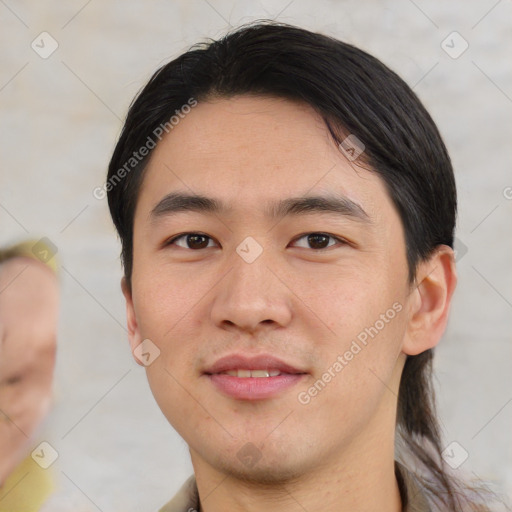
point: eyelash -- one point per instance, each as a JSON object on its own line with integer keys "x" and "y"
{"x": 183, "y": 235}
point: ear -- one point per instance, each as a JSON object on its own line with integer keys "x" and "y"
{"x": 430, "y": 300}
{"x": 131, "y": 319}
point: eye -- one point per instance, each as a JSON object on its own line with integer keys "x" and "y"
{"x": 13, "y": 380}
{"x": 319, "y": 240}
{"x": 196, "y": 241}
{"x": 191, "y": 241}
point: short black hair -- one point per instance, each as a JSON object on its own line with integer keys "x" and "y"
{"x": 356, "y": 95}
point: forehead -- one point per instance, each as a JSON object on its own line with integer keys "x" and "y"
{"x": 253, "y": 150}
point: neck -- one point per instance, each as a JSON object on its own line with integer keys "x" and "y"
{"x": 337, "y": 490}
{"x": 362, "y": 478}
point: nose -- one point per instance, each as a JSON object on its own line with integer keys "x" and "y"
{"x": 251, "y": 297}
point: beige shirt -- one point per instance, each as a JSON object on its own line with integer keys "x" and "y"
{"x": 187, "y": 498}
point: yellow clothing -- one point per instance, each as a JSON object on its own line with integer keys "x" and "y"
{"x": 42, "y": 250}
{"x": 26, "y": 488}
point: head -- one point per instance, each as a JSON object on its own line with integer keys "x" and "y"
{"x": 28, "y": 324}
{"x": 282, "y": 192}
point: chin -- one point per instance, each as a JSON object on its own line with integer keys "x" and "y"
{"x": 260, "y": 471}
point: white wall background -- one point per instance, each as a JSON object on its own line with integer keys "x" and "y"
{"x": 59, "y": 120}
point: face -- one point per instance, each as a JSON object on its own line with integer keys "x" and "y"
{"x": 28, "y": 324}
{"x": 321, "y": 287}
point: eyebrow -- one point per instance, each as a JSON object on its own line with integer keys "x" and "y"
{"x": 176, "y": 202}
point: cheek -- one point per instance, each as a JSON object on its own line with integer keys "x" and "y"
{"x": 348, "y": 300}
{"x": 357, "y": 377}
{"x": 176, "y": 394}
{"x": 171, "y": 290}
{"x": 164, "y": 308}
{"x": 359, "y": 357}
{"x": 160, "y": 302}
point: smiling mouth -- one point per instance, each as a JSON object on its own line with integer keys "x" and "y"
{"x": 244, "y": 374}
{"x": 249, "y": 385}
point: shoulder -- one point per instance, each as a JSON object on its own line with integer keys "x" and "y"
{"x": 185, "y": 500}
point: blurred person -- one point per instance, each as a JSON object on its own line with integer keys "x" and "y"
{"x": 286, "y": 208}
{"x": 28, "y": 328}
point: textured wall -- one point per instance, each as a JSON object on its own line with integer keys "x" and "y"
{"x": 59, "y": 119}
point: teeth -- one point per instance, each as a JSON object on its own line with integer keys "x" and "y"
{"x": 252, "y": 373}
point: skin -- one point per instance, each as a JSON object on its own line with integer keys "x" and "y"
{"x": 28, "y": 325}
{"x": 302, "y": 305}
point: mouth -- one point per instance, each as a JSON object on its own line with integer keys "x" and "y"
{"x": 247, "y": 374}
{"x": 253, "y": 378}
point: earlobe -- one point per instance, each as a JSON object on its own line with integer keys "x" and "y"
{"x": 430, "y": 301}
{"x": 134, "y": 336}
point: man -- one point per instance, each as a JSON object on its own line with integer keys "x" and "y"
{"x": 286, "y": 208}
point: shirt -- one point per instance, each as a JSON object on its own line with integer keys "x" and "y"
{"x": 187, "y": 498}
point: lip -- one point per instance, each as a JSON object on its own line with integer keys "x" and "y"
{"x": 253, "y": 388}
{"x": 257, "y": 362}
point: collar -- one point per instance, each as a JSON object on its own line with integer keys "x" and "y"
{"x": 413, "y": 498}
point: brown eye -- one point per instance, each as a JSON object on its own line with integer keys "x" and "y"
{"x": 319, "y": 241}
{"x": 193, "y": 241}
{"x": 197, "y": 241}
